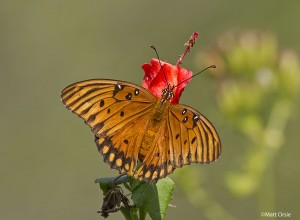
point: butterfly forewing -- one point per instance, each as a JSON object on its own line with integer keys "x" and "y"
{"x": 117, "y": 113}
{"x": 197, "y": 137}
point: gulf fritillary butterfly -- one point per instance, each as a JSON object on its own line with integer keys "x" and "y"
{"x": 131, "y": 124}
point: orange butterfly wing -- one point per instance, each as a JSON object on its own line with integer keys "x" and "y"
{"x": 193, "y": 137}
{"x": 117, "y": 112}
{"x": 185, "y": 137}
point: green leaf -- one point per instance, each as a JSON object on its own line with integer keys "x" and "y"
{"x": 130, "y": 214}
{"x": 154, "y": 198}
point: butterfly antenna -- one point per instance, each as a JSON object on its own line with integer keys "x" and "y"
{"x": 212, "y": 66}
{"x": 160, "y": 65}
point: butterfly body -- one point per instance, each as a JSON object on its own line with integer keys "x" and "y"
{"x": 158, "y": 116}
{"x": 131, "y": 124}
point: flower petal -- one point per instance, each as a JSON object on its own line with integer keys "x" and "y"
{"x": 154, "y": 79}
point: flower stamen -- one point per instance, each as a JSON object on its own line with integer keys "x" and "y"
{"x": 188, "y": 45}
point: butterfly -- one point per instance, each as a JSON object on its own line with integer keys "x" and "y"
{"x": 139, "y": 134}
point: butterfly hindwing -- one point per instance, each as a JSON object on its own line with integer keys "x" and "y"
{"x": 113, "y": 110}
{"x": 121, "y": 149}
{"x": 156, "y": 164}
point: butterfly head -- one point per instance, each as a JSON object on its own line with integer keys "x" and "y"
{"x": 167, "y": 94}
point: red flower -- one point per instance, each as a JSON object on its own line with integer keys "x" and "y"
{"x": 154, "y": 79}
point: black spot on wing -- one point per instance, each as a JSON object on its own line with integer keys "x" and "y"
{"x": 102, "y": 103}
{"x": 91, "y": 118}
{"x": 193, "y": 140}
{"x": 185, "y": 119}
{"x": 136, "y": 91}
{"x": 196, "y": 118}
{"x": 117, "y": 89}
{"x": 128, "y": 96}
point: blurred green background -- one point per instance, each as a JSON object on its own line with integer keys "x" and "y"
{"x": 48, "y": 157}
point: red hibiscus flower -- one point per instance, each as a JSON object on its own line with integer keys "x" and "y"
{"x": 155, "y": 81}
